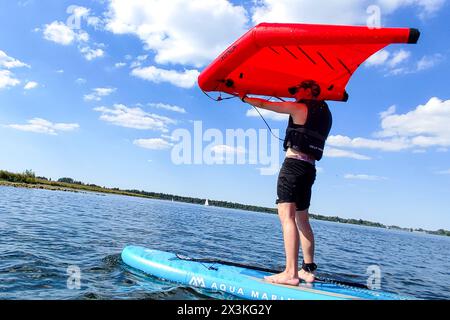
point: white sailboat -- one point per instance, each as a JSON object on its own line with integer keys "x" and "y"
{"x": 206, "y": 202}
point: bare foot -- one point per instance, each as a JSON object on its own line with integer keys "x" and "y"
{"x": 308, "y": 277}
{"x": 283, "y": 278}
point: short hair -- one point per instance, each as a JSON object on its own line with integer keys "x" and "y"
{"x": 314, "y": 86}
{"x": 307, "y": 84}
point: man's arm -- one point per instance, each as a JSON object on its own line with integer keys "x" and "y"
{"x": 279, "y": 107}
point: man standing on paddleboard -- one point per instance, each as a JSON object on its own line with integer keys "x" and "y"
{"x": 309, "y": 125}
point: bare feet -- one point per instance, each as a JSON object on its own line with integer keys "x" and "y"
{"x": 308, "y": 277}
{"x": 283, "y": 278}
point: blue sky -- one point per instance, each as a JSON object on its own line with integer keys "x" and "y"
{"x": 98, "y": 100}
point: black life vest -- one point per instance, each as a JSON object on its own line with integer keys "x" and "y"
{"x": 310, "y": 138}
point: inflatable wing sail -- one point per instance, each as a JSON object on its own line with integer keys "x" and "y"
{"x": 273, "y": 57}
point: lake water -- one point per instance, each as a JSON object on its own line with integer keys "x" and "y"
{"x": 43, "y": 232}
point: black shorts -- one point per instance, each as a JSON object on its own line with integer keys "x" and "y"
{"x": 295, "y": 182}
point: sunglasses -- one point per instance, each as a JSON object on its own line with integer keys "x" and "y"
{"x": 294, "y": 90}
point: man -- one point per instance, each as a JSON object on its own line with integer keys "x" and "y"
{"x": 310, "y": 123}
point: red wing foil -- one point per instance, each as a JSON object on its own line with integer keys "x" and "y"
{"x": 273, "y": 57}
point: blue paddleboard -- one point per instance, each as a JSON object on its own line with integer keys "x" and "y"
{"x": 244, "y": 283}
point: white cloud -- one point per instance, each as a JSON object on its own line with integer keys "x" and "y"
{"x": 188, "y": 32}
{"x": 429, "y": 7}
{"x": 7, "y": 79}
{"x": 426, "y": 126}
{"x": 306, "y": 11}
{"x": 83, "y": 36}
{"x": 444, "y": 172}
{"x": 60, "y": 71}
{"x": 138, "y": 61}
{"x": 378, "y": 59}
{"x": 95, "y": 22}
{"x": 338, "y": 153}
{"x": 426, "y": 6}
{"x": 267, "y": 114}
{"x": 170, "y": 138}
{"x": 98, "y": 93}
{"x": 9, "y": 62}
{"x": 364, "y": 177}
{"x": 91, "y": 54}
{"x": 70, "y": 32}
{"x": 153, "y": 144}
{"x": 120, "y": 65}
{"x": 167, "y": 107}
{"x": 428, "y": 62}
{"x": 393, "y": 64}
{"x": 78, "y": 11}
{"x": 77, "y": 14}
{"x": 425, "y": 63}
{"x": 80, "y": 81}
{"x": 396, "y": 63}
{"x": 185, "y": 79}
{"x": 391, "y": 110}
{"x": 398, "y": 71}
{"x": 396, "y": 144}
{"x": 31, "y": 85}
{"x": 398, "y": 57}
{"x": 39, "y": 125}
{"x": 135, "y": 118}
{"x": 350, "y": 11}
{"x": 60, "y": 33}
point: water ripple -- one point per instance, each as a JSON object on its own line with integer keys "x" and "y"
{"x": 45, "y": 232}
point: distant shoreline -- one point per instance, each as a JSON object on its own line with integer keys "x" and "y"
{"x": 29, "y": 180}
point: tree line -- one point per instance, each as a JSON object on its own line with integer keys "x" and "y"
{"x": 29, "y": 177}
